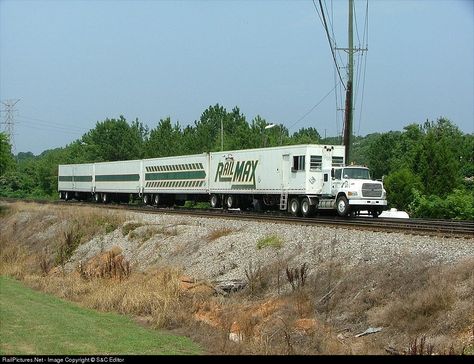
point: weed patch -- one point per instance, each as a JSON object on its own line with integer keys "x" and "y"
{"x": 272, "y": 241}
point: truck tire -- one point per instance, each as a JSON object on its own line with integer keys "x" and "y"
{"x": 306, "y": 208}
{"x": 156, "y": 199}
{"x": 146, "y": 199}
{"x": 214, "y": 201}
{"x": 294, "y": 207}
{"x": 230, "y": 201}
{"x": 342, "y": 206}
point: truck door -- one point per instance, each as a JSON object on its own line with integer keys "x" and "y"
{"x": 326, "y": 167}
{"x": 336, "y": 181}
{"x": 285, "y": 171}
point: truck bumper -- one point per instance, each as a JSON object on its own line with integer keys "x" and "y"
{"x": 368, "y": 202}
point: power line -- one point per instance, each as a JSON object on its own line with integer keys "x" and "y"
{"x": 48, "y": 124}
{"x": 314, "y": 107}
{"x": 329, "y": 38}
{"x": 10, "y": 120}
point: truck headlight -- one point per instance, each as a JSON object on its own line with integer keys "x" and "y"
{"x": 352, "y": 193}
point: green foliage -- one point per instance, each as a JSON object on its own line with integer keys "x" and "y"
{"x": 458, "y": 205}
{"x": 306, "y": 136}
{"x": 165, "y": 140}
{"x": 380, "y": 153}
{"x": 6, "y": 158}
{"x": 272, "y": 241}
{"x": 115, "y": 139}
{"x": 196, "y": 205}
{"x": 400, "y": 186}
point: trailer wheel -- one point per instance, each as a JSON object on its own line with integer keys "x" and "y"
{"x": 146, "y": 199}
{"x": 342, "y": 206}
{"x": 257, "y": 204}
{"x": 294, "y": 207}
{"x": 97, "y": 197}
{"x": 215, "y": 201}
{"x": 105, "y": 198}
{"x": 67, "y": 196}
{"x": 61, "y": 197}
{"x": 230, "y": 202}
{"x": 306, "y": 208}
{"x": 156, "y": 199}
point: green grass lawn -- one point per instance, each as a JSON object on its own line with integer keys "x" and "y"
{"x": 35, "y": 323}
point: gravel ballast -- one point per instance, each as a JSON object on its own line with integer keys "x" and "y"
{"x": 186, "y": 242}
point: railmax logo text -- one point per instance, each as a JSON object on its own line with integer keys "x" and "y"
{"x": 240, "y": 173}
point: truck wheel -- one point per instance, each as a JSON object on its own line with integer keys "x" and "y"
{"x": 342, "y": 206}
{"x": 294, "y": 207}
{"x": 306, "y": 208}
{"x": 215, "y": 201}
{"x": 105, "y": 198}
{"x": 230, "y": 202}
{"x": 97, "y": 197}
{"x": 156, "y": 199}
{"x": 67, "y": 196}
{"x": 257, "y": 205}
{"x": 146, "y": 199}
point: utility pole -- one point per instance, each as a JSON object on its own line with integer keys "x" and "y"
{"x": 349, "y": 96}
{"x": 9, "y": 110}
{"x": 222, "y": 134}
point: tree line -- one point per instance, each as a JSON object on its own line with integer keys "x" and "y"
{"x": 427, "y": 168}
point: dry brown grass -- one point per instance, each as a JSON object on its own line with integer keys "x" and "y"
{"x": 130, "y": 227}
{"x": 407, "y": 297}
{"x": 218, "y": 233}
{"x": 111, "y": 264}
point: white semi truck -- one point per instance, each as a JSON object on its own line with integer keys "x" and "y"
{"x": 299, "y": 178}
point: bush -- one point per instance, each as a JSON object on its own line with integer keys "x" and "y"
{"x": 458, "y": 205}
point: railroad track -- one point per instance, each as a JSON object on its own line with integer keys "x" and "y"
{"x": 443, "y": 228}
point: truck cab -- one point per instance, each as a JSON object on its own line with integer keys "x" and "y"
{"x": 354, "y": 191}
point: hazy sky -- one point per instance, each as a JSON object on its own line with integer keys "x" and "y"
{"x": 73, "y": 63}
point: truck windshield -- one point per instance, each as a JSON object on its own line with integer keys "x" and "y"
{"x": 356, "y": 173}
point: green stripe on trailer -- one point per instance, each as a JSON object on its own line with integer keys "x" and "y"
{"x": 75, "y": 178}
{"x": 117, "y": 177}
{"x": 65, "y": 178}
{"x": 176, "y": 175}
{"x": 83, "y": 178}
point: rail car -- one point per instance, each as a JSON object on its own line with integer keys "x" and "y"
{"x": 298, "y": 178}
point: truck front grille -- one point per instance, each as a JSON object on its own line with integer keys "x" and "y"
{"x": 371, "y": 190}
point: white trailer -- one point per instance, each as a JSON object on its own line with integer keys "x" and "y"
{"x": 117, "y": 179}
{"x": 272, "y": 176}
{"x": 297, "y": 178}
{"x": 75, "y": 180}
{"x": 175, "y": 179}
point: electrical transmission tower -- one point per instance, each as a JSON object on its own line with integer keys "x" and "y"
{"x": 9, "y": 110}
